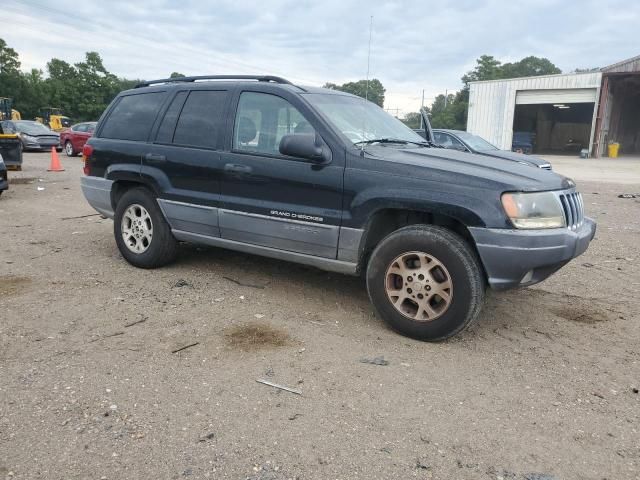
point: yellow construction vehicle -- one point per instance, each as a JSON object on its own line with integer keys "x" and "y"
{"x": 54, "y": 119}
{"x": 6, "y": 112}
{"x": 10, "y": 143}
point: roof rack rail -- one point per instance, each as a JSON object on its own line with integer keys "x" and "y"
{"x": 259, "y": 78}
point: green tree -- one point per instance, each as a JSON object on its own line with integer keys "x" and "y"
{"x": 529, "y": 67}
{"x": 487, "y": 68}
{"x": 176, "y": 75}
{"x": 374, "y": 93}
{"x": 82, "y": 90}
{"x": 62, "y": 86}
{"x": 33, "y": 94}
{"x": 442, "y": 113}
{"x": 412, "y": 120}
{"x": 96, "y": 87}
{"x": 9, "y": 61}
{"x": 11, "y": 81}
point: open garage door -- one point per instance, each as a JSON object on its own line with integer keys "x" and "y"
{"x": 537, "y": 97}
{"x": 554, "y": 121}
{"x": 619, "y": 113}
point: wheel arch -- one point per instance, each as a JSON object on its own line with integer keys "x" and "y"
{"x": 385, "y": 221}
{"x": 127, "y": 177}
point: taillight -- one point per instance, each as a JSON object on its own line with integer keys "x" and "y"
{"x": 87, "y": 151}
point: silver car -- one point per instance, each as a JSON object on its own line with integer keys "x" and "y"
{"x": 33, "y": 135}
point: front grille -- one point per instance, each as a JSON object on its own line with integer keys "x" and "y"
{"x": 573, "y": 209}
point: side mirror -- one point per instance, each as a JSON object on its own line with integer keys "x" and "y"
{"x": 305, "y": 145}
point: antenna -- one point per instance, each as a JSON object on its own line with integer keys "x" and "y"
{"x": 366, "y": 93}
{"x": 366, "y": 90}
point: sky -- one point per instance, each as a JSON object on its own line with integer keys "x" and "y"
{"x": 415, "y": 45}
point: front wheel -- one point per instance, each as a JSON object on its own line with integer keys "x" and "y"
{"x": 142, "y": 234}
{"x": 426, "y": 282}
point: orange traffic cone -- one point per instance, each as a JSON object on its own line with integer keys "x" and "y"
{"x": 55, "y": 162}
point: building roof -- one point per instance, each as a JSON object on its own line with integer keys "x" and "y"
{"x": 534, "y": 76}
{"x": 629, "y": 65}
{"x": 625, "y": 66}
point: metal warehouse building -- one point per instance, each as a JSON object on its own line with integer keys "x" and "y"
{"x": 562, "y": 113}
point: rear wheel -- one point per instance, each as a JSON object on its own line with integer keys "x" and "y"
{"x": 142, "y": 234}
{"x": 68, "y": 149}
{"x": 425, "y": 282}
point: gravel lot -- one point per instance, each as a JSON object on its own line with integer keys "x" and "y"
{"x": 544, "y": 386}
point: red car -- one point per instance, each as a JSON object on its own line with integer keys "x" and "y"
{"x": 73, "y": 139}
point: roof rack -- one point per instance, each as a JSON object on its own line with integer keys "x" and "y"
{"x": 259, "y": 78}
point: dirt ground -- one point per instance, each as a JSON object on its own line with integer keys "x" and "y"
{"x": 96, "y": 382}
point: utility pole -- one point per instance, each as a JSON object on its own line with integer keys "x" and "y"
{"x": 446, "y": 94}
{"x": 422, "y": 104}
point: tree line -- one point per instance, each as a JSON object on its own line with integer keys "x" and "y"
{"x": 84, "y": 89}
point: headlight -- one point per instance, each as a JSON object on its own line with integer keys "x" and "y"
{"x": 533, "y": 210}
{"x": 29, "y": 138}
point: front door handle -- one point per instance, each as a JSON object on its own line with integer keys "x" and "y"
{"x": 154, "y": 157}
{"x": 237, "y": 169}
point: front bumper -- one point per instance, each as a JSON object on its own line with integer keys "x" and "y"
{"x": 4, "y": 182}
{"x": 41, "y": 144}
{"x": 97, "y": 191}
{"x": 517, "y": 258}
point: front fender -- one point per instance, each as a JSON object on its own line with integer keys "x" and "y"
{"x": 469, "y": 210}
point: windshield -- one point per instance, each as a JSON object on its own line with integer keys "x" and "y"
{"x": 32, "y": 128}
{"x": 475, "y": 142}
{"x": 360, "y": 120}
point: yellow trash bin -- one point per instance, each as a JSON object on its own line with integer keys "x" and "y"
{"x": 614, "y": 148}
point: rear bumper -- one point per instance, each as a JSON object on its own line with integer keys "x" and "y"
{"x": 515, "y": 258}
{"x": 97, "y": 191}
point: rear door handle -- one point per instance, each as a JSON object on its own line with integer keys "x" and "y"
{"x": 237, "y": 169}
{"x": 154, "y": 157}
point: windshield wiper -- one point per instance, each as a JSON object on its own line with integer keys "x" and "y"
{"x": 392, "y": 140}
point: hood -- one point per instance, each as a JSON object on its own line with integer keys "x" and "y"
{"x": 451, "y": 166}
{"x": 516, "y": 157}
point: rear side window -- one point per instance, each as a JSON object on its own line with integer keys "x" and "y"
{"x": 133, "y": 117}
{"x": 80, "y": 128}
{"x": 168, "y": 125}
{"x": 201, "y": 119}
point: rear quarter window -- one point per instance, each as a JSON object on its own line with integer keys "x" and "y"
{"x": 133, "y": 116}
{"x": 201, "y": 119}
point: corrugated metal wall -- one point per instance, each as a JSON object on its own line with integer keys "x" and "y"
{"x": 492, "y": 103}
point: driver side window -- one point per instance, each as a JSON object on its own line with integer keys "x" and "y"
{"x": 448, "y": 141}
{"x": 262, "y": 120}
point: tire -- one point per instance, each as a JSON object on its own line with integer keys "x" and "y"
{"x": 153, "y": 248}
{"x": 449, "y": 261}
{"x": 68, "y": 149}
